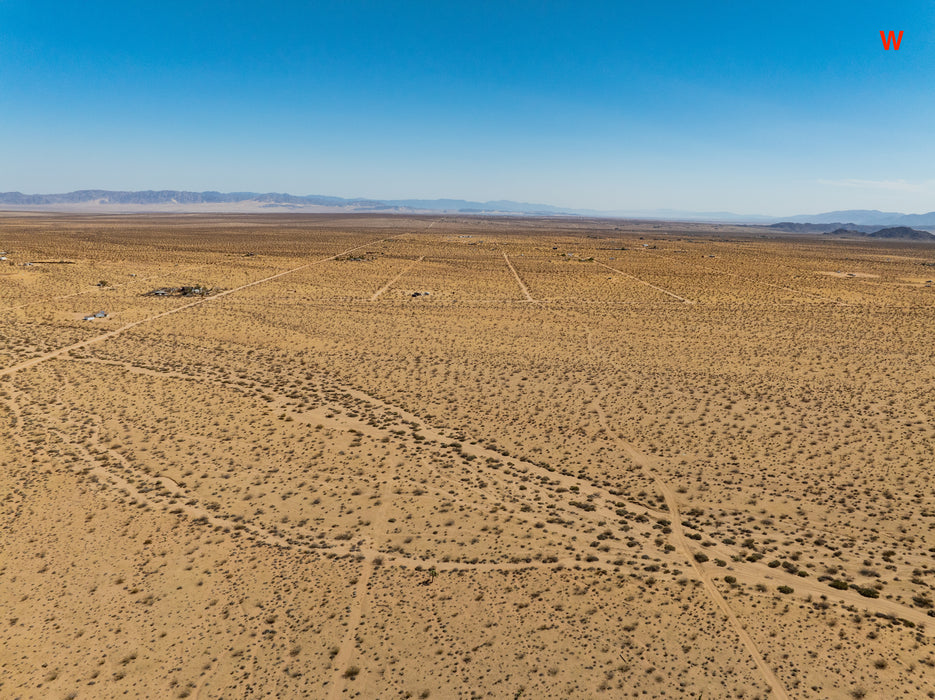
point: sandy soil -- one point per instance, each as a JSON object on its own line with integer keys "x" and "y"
{"x": 598, "y": 459}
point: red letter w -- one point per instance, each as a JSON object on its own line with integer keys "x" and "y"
{"x": 891, "y": 40}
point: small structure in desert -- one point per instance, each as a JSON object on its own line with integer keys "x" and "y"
{"x": 192, "y": 290}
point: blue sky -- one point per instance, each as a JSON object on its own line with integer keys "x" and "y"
{"x": 753, "y": 107}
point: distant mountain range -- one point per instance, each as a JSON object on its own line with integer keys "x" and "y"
{"x": 182, "y": 201}
{"x": 111, "y": 198}
{"x": 896, "y": 232}
{"x": 176, "y": 200}
{"x": 793, "y": 227}
{"x": 867, "y": 217}
{"x": 863, "y": 220}
{"x": 840, "y": 230}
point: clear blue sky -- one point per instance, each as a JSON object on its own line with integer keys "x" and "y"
{"x": 754, "y": 107}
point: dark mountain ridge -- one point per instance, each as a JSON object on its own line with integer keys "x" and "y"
{"x": 903, "y": 233}
{"x": 794, "y": 227}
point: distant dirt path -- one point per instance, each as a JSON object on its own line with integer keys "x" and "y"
{"x": 681, "y": 543}
{"x": 519, "y": 281}
{"x": 393, "y": 281}
{"x": 802, "y": 292}
{"x": 637, "y": 279}
{"x": 177, "y": 309}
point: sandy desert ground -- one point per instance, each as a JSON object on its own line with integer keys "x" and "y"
{"x": 451, "y": 457}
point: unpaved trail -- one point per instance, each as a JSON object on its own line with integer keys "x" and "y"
{"x": 338, "y": 420}
{"x": 344, "y": 422}
{"x": 389, "y": 284}
{"x": 482, "y": 453}
{"x": 681, "y": 544}
{"x": 637, "y": 279}
{"x": 748, "y": 571}
{"x": 499, "y": 489}
{"x": 204, "y": 300}
{"x": 757, "y": 573}
{"x": 110, "y": 476}
{"x": 133, "y": 487}
{"x": 753, "y": 572}
{"x": 519, "y": 281}
{"x": 186, "y": 504}
{"x": 801, "y": 292}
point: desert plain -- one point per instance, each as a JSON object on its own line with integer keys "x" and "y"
{"x": 381, "y": 456}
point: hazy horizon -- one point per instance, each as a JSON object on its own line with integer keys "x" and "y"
{"x": 751, "y": 110}
{"x": 413, "y": 204}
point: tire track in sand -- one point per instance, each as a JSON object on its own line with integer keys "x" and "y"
{"x": 339, "y": 665}
{"x": 637, "y": 279}
{"x": 519, "y": 281}
{"x": 750, "y": 280}
{"x": 361, "y": 597}
{"x": 393, "y": 281}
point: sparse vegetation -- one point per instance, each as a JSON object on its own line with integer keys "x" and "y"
{"x": 322, "y": 481}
